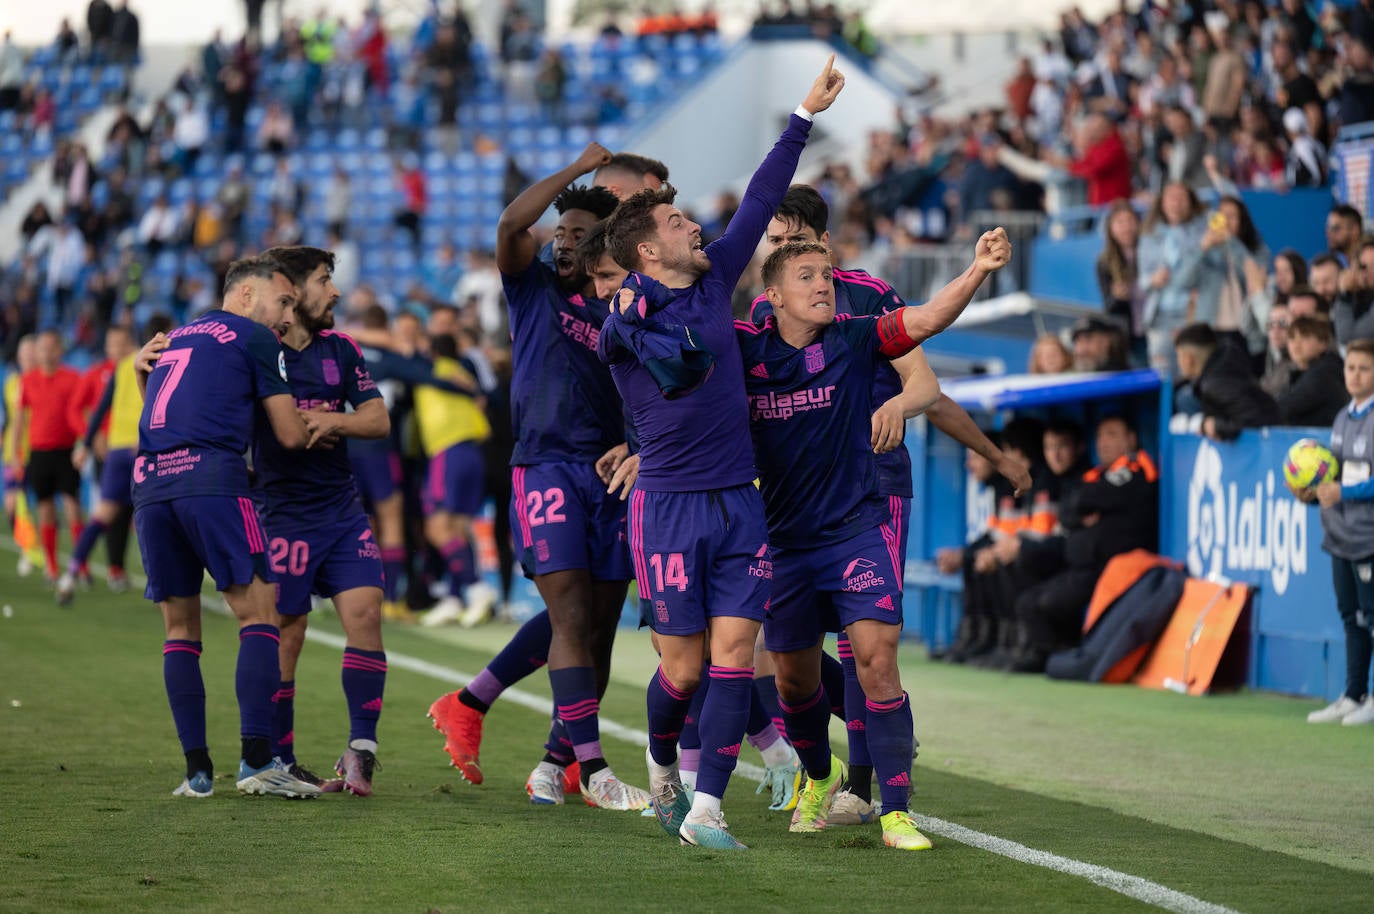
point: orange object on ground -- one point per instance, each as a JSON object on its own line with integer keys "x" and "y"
{"x": 1190, "y": 651}
{"x": 1118, "y": 577}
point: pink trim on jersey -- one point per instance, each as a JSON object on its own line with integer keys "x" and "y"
{"x": 637, "y": 544}
{"x": 860, "y": 278}
{"x": 894, "y": 506}
{"x": 345, "y": 337}
{"x": 747, "y": 327}
{"x": 251, "y": 528}
{"x": 517, "y": 477}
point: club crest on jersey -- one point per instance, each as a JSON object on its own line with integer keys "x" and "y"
{"x": 281, "y": 365}
{"x": 815, "y": 358}
{"x": 331, "y": 371}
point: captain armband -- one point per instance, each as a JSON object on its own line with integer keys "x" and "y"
{"x": 893, "y": 340}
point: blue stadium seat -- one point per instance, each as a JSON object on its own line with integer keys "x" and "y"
{"x": 347, "y": 140}
{"x": 376, "y": 138}
{"x": 520, "y": 138}
{"x": 12, "y": 145}
{"x": 263, "y": 164}
{"x": 549, "y": 138}
{"x": 318, "y": 141}
{"x": 182, "y": 190}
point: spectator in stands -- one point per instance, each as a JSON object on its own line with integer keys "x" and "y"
{"x": 1049, "y": 355}
{"x": 124, "y": 34}
{"x": 99, "y": 24}
{"x": 1233, "y": 252}
{"x": 1278, "y": 367}
{"x": 1344, "y": 228}
{"x": 1111, "y": 89}
{"x": 11, "y": 72}
{"x": 519, "y": 53}
{"x": 66, "y": 262}
{"x": 985, "y": 178}
{"x": 1186, "y": 160}
{"x": 276, "y": 131}
{"x": 448, "y": 65}
{"x": 1305, "y": 165}
{"x": 549, "y": 85}
{"x": 1101, "y": 160}
{"x": 237, "y": 89}
{"x": 1317, "y": 392}
{"x": 1019, "y": 89}
{"x": 1224, "y": 86}
{"x": 1117, "y": 267}
{"x": 283, "y": 189}
{"x": 1170, "y": 263}
{"x": 1165, "y": 88}
{"x": 66, "y": 44}
{"x": 1290, "y": 271}
{"x": 1112, "y": 511}
{"x": 1303, "y": 301}
{"x": 1218, "y": 371}
{"x": 1098, "y": 345}
{"x": 35, "y": 219}
{"x": 410, "y": 182}
{"x": 1355, "y": 102}
{"x": 338, "y": 200}
{"x": 1353, "y": 310}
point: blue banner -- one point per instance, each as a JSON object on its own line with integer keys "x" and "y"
{"x": 1227, "y": 513}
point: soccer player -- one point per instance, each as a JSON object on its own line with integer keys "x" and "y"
{"x": 452, "y": 428}
{"x": 902, "y": 388}
{"x": 319, "y": 539}
{"x": 44, "y": 393}
{"x": 697, "y": 528}
{"x": 192, "y": 510}
{"x": 121, "y": 404}
{"x": 567, "y": 415}
{"x": 15, "y": 454}
{"x": 835, "y": 551}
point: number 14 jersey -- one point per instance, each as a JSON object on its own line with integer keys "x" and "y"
{"x": 199, "y": 408}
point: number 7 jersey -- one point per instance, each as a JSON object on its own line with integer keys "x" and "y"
{"x": 200, "y": 406}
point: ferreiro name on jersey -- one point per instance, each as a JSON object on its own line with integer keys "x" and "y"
{"x": 785, "y": 405}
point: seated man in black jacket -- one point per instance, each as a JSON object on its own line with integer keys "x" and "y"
{"x": 1219, "y": 370}
{"x": 1317, "y": 392}
{"x": 1114, "y": 510}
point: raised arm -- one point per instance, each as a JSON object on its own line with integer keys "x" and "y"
{"x": 906, "y": 328}
{"x": 515, "y": 247}
{"x": 731, "y": 253}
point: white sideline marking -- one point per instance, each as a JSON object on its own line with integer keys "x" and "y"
{"x": 1132, "y": 886}
{"x": 1136, "y": 887}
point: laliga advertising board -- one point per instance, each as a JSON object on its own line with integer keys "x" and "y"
{"x": 1230, "y": 515}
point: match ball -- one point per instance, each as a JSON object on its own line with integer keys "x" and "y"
{"x": 1309, "y": 464}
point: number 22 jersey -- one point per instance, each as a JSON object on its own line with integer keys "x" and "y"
{"x": 200, "y": 406}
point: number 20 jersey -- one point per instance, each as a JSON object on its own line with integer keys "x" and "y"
{"x": 200, "y": 406}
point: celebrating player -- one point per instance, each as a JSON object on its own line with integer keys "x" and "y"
{"x": 319, "y": 538}
{"x": 192, "y": 510}
{"x": 567, "y": 415}
{"x": 901, "y": 389}
{"x": 697, "y": 526}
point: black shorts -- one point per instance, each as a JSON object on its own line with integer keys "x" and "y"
{"x": 51, "y": 473}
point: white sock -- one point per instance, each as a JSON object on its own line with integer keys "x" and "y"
{"x": 780, "y": 753}
{"x": 363, "y": 745}
{"x": 703, "y": 806}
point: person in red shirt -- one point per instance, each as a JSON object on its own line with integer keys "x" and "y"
{"x": 44, "y": 393}
{"x": 1102, "y": 161}
{"x": 410, "y": 180}
{"x": 118, "y": 343}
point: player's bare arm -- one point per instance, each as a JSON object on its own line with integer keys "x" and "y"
{"x": 991, "y": 254}
{"x": 369, "y": 420}
{"x": 515, "y": 245}
{"x": 920, "y": 389}
{"x": 286, "y": 421}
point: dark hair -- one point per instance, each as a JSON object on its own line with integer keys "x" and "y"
{"x": 1113, "y": 259}
{"x": 637, "y": 165}
{"x": 1304, "y": 291}
{"x": 772, "y": 267}
{"x": 598, "y": 201}
{"x": 299, "y": 261}
{"x": 804, "y": 205}
{"x": 375, "y": 317}
{"x": 1122, "y": 417}
{"x": 1157, "y": 208}
{"x": 1312, "y": 326}
{"x": 443, "y": 346}
{"x": 1320, "y": 260}
{"x": 1198, "y": 336}
{"x": 1027, "y": 436}
{"x": 1065, "y": 428}
{"x": 259, "y": 267}
{"x": 591, "y": 248}
{"x": 1364, "y": 347}
{"x": 633, "y": 222}
{"x": 155, "y": 324}
{"x": 1349, "y": 214}
{"x": 1247, "y": 234}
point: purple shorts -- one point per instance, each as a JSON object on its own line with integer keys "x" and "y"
{"x": 825, "y": 589}
{"x": 117, "y": 476}
{"x": 324, "y": 560}
{"x": 457, "y": 480}
{"x": 378, "y": 473}
{"x": 183, "y": 538}
{"x": 699, "y": 554}
{"x": 11, "y": 479}
{"x": 564, "y": 519}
